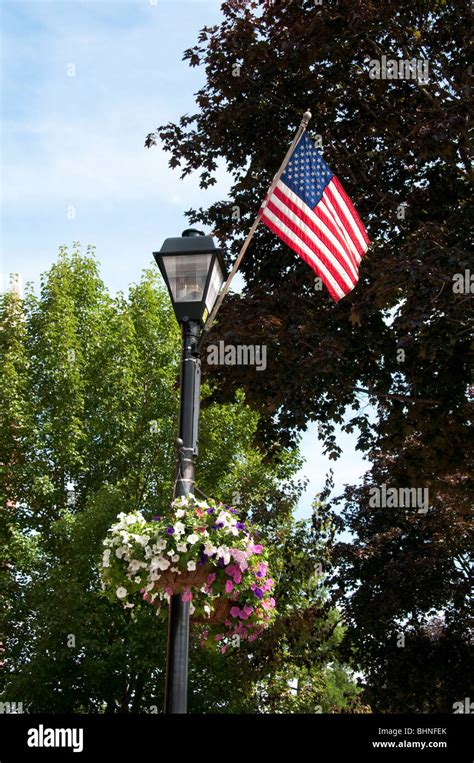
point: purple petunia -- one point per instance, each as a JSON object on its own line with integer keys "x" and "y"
{"x": 220, "y": 524}
{"x": 170, "y": 530}
{"x": 156, "y": 518}
{"x": 210, "y": 511}
{"x": 258, "y": 593}
{"x": 240, "y": 526}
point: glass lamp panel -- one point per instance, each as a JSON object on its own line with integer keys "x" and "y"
{"x": 215, "y": 283}
{"x": 187, "y": 275}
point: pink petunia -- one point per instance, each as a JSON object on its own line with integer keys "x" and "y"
{"x": 169, "y": 591}
{"x": 210, "y": 578}
{"x": 229, "y": 586}
{"x": 235, "y": 612}
{"x": 187, "y": 596}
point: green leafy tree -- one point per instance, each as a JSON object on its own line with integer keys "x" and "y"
{"x": 89, "y": 415}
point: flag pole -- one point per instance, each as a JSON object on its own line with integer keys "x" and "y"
{"x": 245, "y": 245}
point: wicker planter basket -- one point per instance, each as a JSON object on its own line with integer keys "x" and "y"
{"x": 220, "y": 612}
{"x": 178, "y": 581}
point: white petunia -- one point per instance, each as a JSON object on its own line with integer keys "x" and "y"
{"x": 191, "y": 565}
{"x": 224, "y": 553}
{"x": 180, "y": 513}
{"x": 162, "y": 563}
{"x": 179, "y": 528}
{"x": 173, "y": 569}
{"x": 160, "y": 544}
{"x": 138, "y": 579}
{"x": 175, "y": 558}
{"x": 121, "y": 592}
{"x": 192, "y": 539}
{"x": 182, "y": 547}
{"x": 209, "y": 549}
{"x": 134, "y": 565}
{"x": 224, "y": 518}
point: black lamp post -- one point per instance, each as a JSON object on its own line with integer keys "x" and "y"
{"x": 193, "y": 270}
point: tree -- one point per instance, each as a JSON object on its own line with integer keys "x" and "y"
{"x": 89, "y": 407}
{"x": 401, "y": 340}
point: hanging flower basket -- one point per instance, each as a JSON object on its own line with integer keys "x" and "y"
{"x": 201, "y": 551}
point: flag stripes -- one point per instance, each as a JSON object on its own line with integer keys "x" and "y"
{"x": 311, "y": 212}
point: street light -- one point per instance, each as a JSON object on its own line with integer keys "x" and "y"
{"x": 193, "y": 270}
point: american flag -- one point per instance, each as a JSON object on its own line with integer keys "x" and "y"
{"x": 310, "y": 211}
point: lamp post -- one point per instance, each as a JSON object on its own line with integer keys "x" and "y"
{"x": 193, "y": 270}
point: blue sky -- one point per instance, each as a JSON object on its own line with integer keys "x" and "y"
{"x": 83, "y": 82}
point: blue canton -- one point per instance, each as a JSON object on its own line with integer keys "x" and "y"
{"x": 306, "y": 173}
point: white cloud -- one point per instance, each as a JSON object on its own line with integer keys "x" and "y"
{"x": 77, "y": 163}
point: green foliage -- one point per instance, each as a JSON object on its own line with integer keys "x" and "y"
{"x": 401, "y": 340}
{"x": 89, "y": 416}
